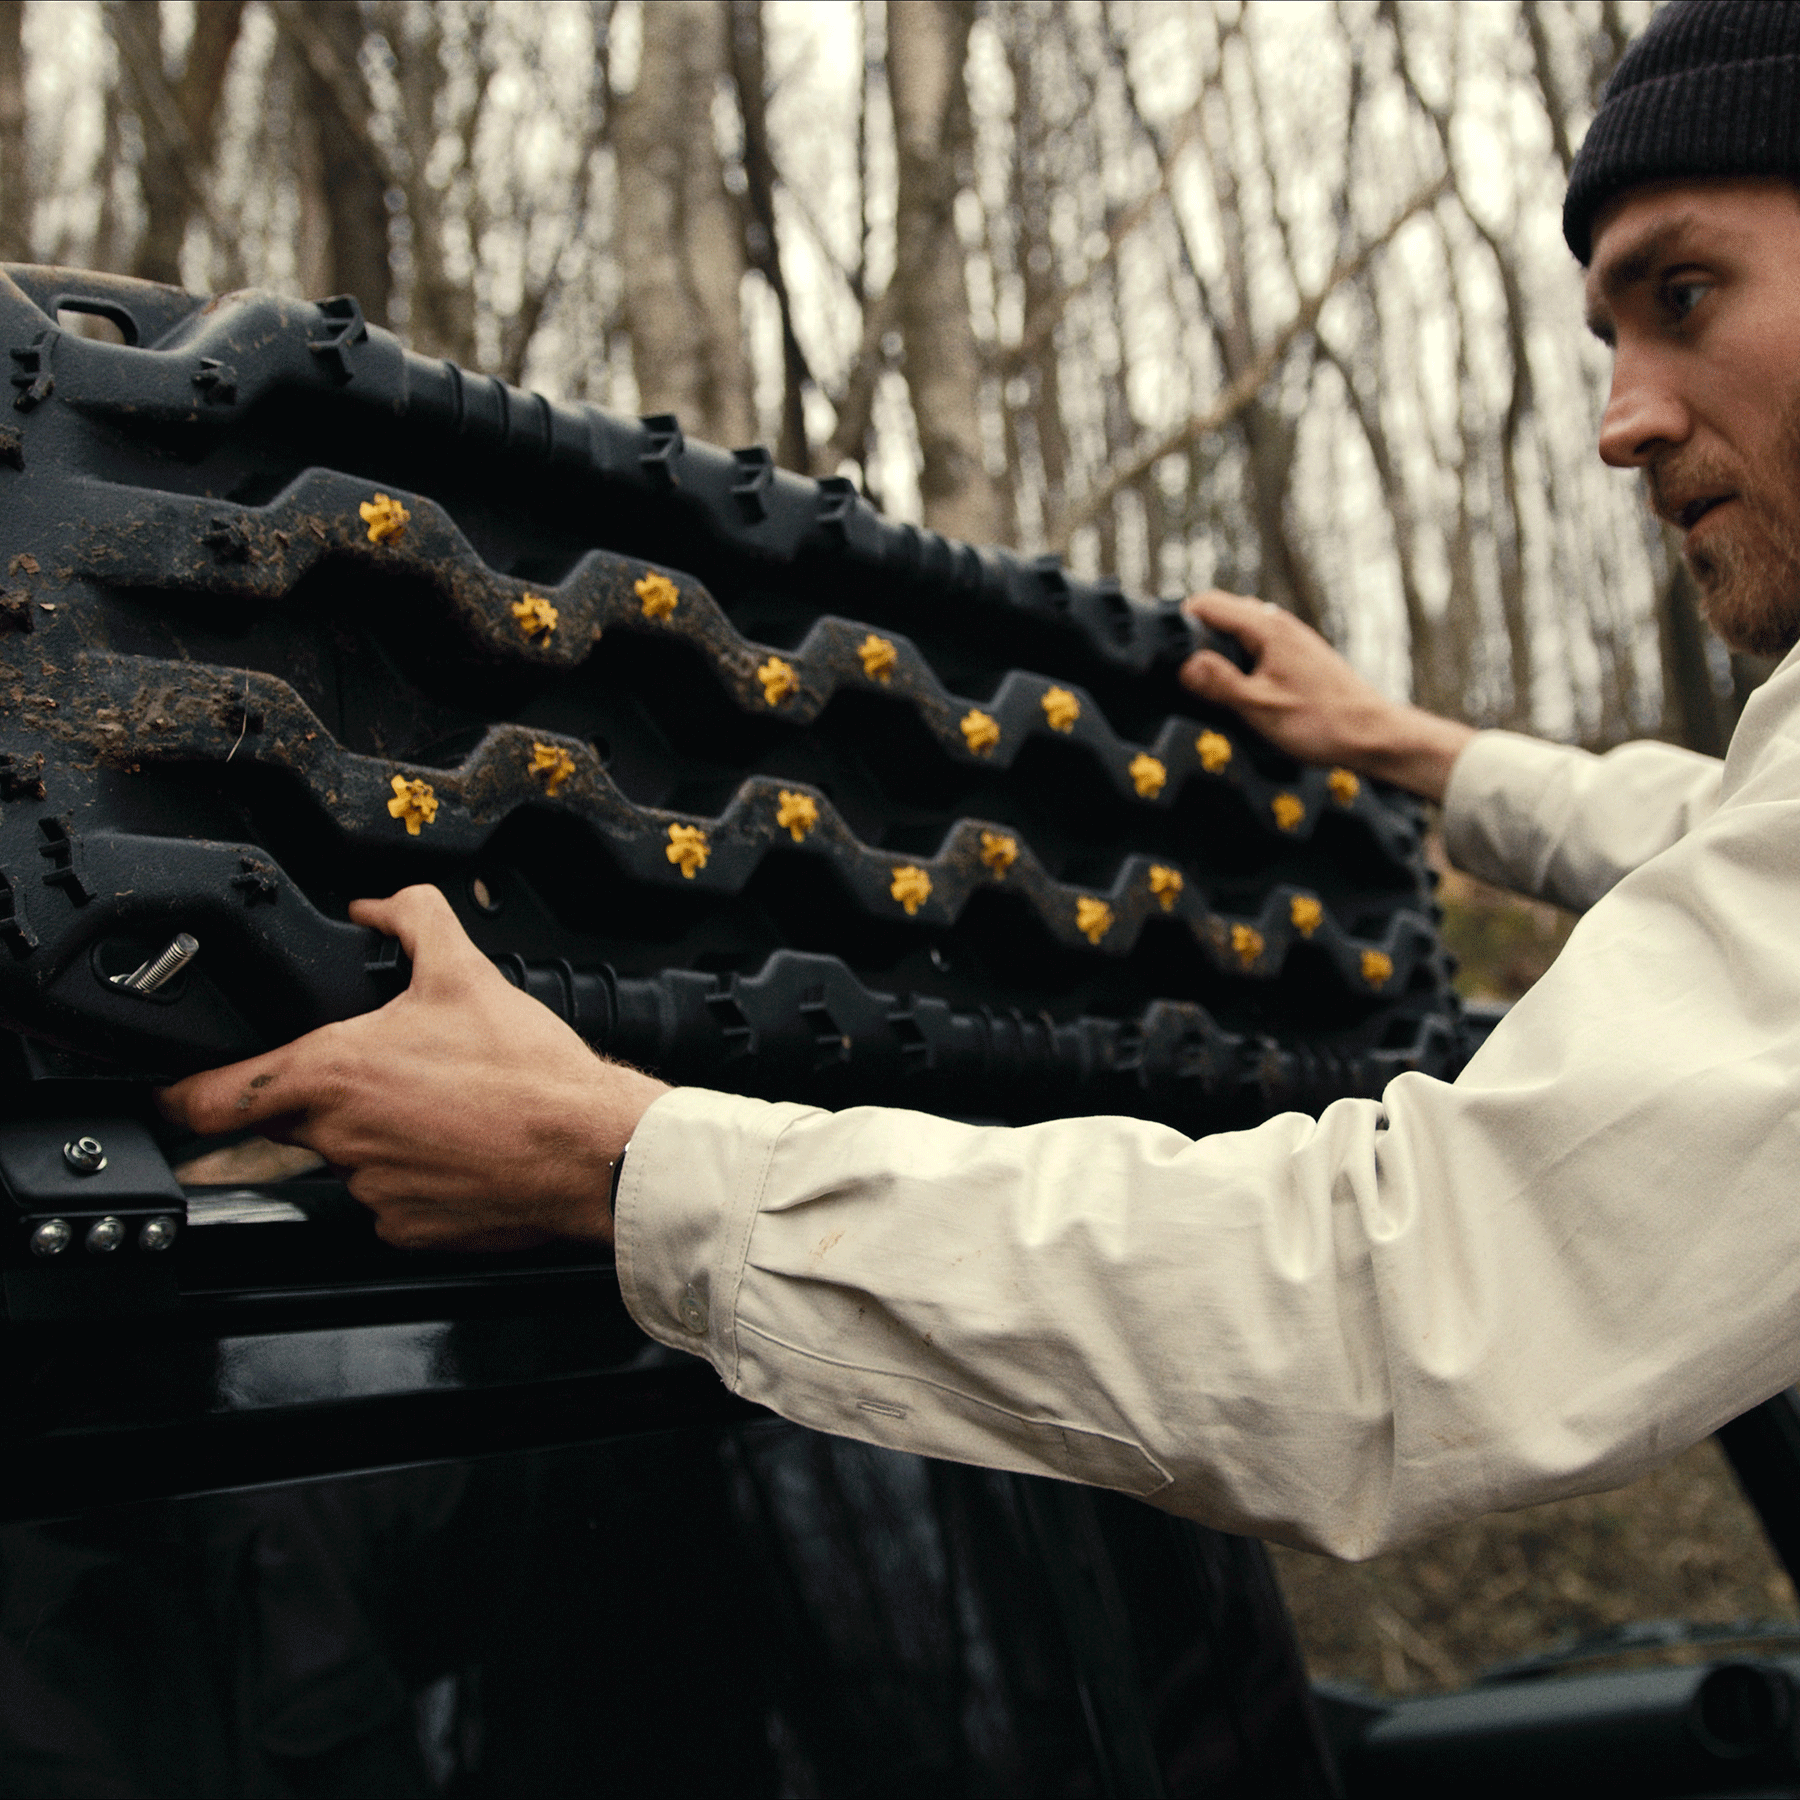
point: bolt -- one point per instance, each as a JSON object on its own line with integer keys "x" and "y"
{"x": 105, "y": 1234}
{"x": 51, "y": 1237}
{"x": 85, "y": 1155}
{"x": 157, "y": 1234}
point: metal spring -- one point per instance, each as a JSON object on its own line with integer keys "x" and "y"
{"x": 147, "y": 977}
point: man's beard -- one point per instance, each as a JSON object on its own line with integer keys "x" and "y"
{"x": 1749, "y": 572}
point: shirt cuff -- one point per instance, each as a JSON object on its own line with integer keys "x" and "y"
{"x": 688, "y": 1197}
{"x": 1493, "y": 807}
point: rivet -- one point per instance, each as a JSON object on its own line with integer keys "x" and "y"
{"x": 51, "y": 1237}
{"x": 105, "y": 1235}
{"x": 157, "y": 1234}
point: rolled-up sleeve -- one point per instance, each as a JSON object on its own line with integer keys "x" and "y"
{"x": 1565, "y": 825}
{"x": 1541, "y": 1279}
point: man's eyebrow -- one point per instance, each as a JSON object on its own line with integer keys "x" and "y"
{"x": 1631, "y": 266}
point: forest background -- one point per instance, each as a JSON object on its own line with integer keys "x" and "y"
{"x": 1271, "y": 296}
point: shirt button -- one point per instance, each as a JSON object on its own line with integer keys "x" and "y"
{"x": 692, "y": 1311}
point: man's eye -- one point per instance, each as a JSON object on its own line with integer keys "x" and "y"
{"x": 1681, "y": 297}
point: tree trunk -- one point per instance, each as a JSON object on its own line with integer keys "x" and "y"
{"x": 762, "y": 246}
{"x": 1036, "y": 430}
{"x": 681, "y": 232}
{"x": 928, "y": 42}
{"x": 442, "y": 318}
{"x": 337, "y": 112}
{"x": 15, "y": 173}
{"x": 178, "y": 119}
{"x": 1424, "y": 646}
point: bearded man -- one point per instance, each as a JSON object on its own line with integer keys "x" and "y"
{"x": 1575, "y": 1260}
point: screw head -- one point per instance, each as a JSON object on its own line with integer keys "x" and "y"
{"x": 85, "y": 1155}
{"x": 157, "y": 1234}
{"x": 105, "y": 1234}
{"x": 51, "y": 1237}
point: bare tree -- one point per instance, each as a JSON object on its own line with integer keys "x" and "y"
{"x": 749, "y": 68}
{"x": 684, "y": 263}
{"x": 351, "y": 173}
{"x": 441, "y": 308}
{"x": 15, "y": 172}
{"x": 176, "y": 117}
{"x": 927, "y": 47}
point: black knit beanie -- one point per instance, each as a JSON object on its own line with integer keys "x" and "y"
{"x": 1711, "y": 88}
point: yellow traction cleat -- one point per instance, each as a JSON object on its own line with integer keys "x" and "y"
{"x": 911, "y": 887}
{"x": 878, "y": 657}
{"x": 1093, "y": 918}
{"x": 386, "y": 519}
{"x": 688, "y": 850}
{"x": 981, "y": 732}
{"x": 1307, "y": 914}
{"x": 1061, "y": 708}
{"x": 778, "y": 680}
{"x": 535, "y": 615}
{"x": 413, "y": 803}
{"x": 1215, "y": 751}
{"x": 798, "y": 813}
{"x": 553, "y": 762}
{"x": 1147, "y": 775}
{"x": 1166, "y": 884}
{"x": 658, "y": 594}
{"x": 999, "y": 852}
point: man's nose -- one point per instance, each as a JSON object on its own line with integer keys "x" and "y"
{"x": 1644, "y": 414}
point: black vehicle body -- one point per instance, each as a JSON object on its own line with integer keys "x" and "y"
{"x": 761, "y": 791}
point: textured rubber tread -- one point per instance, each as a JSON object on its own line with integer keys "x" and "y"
{"x": 217, "y": 482}
{"x": 261, "y": 552}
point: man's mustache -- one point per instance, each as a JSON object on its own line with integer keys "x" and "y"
{"x": 1672, "y": 482}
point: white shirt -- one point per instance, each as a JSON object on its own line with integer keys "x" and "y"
{"x": 1540, "y": 1279}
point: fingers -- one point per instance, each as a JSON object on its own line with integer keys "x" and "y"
{"x": 420, "y": 917}
{"x": 286, "y": 1082}
{"x": 430, "y": 933}
{"x": 1215, "y": 677}
{"x": 237, "y": 1096}
{"x": 1246, "y": 619}
{"x": 274, "y": 1092}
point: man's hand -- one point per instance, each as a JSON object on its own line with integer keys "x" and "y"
{"x": 464, "y": 1114}
{"x": 1301, "y": 695}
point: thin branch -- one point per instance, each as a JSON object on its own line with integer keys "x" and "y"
{"x": 1244, "y": 390}
{"x": 1045, "y": 318}
{"x": 1551, "y": 89}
